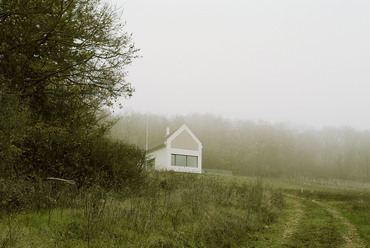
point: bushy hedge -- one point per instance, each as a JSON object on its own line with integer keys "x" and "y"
{"x": 50, "y": 151}
{"x": 36, "y": 148}
{"x": 18, "y": 194}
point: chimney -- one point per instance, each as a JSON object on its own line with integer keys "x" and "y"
{"x": 167, "y": 131}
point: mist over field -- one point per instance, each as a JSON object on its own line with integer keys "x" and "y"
{"x": 260, "y": 148}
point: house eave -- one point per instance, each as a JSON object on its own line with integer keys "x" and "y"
{"x": 156, "y": 148}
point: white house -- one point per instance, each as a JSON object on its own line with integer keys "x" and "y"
{"x": 178, "y": 151}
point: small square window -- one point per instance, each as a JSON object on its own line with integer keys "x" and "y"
{"x": 151, "y": 163}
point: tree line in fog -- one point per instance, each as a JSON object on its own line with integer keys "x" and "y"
{"x": 260, "y": 148}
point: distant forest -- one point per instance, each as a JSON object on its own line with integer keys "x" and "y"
{"x": 260, "y": 148}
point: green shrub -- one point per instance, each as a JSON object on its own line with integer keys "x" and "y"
{"x": 25, "y": 194}
{"x": 52, "y": 151}
{"x": 14, "y": 119}
{"x": 74, "y": 148}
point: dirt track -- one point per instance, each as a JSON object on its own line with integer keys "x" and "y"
{"x": 293, "y": 222}
{"x": 350, "y": 236}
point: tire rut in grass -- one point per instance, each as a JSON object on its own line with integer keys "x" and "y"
{"x": 317, "y": 227}
{"x": 293, "y": 222}
{"x": 351, "y": 237}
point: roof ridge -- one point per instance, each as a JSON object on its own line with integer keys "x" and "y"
{"x": 161, "y": 141}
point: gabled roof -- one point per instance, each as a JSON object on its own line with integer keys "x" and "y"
{"x": 155, "y": 145}
{"x": 158, "y": 144}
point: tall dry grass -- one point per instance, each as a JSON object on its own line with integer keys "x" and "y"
{"x": 168, "y": 210}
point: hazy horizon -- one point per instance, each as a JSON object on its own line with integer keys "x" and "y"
{"x": 295, "y": 62}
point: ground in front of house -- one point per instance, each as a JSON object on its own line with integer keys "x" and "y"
{"x": 185, "y": 210}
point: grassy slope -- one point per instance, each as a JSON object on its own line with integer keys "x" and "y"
{"x": 198, "y": 211}
{"x": 172, "y": 210}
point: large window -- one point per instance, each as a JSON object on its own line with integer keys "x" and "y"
{"x": 184, "y": 160}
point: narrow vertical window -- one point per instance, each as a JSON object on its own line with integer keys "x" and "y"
{"x": 173, "y": 159}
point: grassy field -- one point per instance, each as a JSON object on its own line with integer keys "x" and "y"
{"x": 171, "y": 210}
{"x": 183, "y": 210}
{"x": 320, "y": 215}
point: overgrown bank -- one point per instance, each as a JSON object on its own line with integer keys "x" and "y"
{"x": 169, "y": 210}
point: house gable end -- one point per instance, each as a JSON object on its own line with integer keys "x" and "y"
{"x": 184, "y": 138}
{"x": 184, "y": 141}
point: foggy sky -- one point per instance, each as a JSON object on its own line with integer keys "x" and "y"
{"x": 303, "y": 62}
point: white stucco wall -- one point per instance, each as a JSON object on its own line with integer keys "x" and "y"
{"x": 160, "y": 157}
